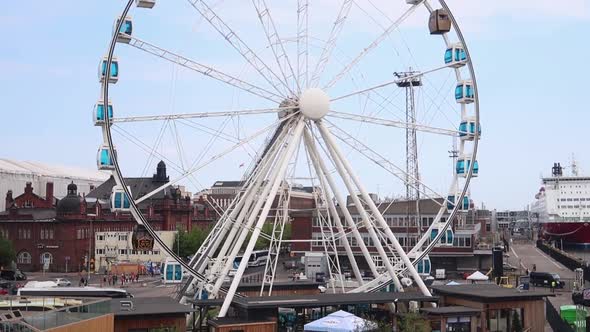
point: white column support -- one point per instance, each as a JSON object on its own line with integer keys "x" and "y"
{"x": 334, "y": 149}
{"x": 247, "y": 201}
{"x": 278, "y": 179}
{"x": 342, "y": 170}
{"x": 312, "y": 151}
{"x": 342, "y": 203}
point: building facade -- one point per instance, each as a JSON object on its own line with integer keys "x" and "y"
{"x": 62, "y": 231}
{"x": 116, "y": 247}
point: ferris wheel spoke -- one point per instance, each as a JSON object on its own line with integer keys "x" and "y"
{"x": 393, "y": 123}
{"x": 386, "y": 164}
{"x": 407, "y": 78}
{"x": 205, "y": 70}
{"x": 152, "y": 153}
{"x": 275, "y": 43}
{"x": 303, "y": 43}
{"x": 240, "y": 46}
{"x": 208, "y": 162}
{"x": 199, "y": 115}
{"x": 372, "y": 46}
{"x": 331, "y": 43}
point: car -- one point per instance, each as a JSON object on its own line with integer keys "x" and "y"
{"x": 13, "y": 275}
{"x": 509, "y": 267}
{"x": 62, "y": 282}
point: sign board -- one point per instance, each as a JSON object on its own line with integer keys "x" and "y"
{"x": 52, "y": 247}
{"x": 587, "y": 294}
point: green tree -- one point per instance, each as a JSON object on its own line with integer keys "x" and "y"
{"x": 187, "y": 243}
{"x": 7, "y": 253}
{"x": 264, "y": 243}
{"x": 413, "y": 322}
{"x": 516, "y": 325}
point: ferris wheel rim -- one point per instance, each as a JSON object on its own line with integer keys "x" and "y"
{"x": 138, "y": 215}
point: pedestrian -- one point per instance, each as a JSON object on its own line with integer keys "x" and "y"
{"x": 553, "y": 285}
{"x": 534, "y": 267}
{"x": 122, "y": 279}
{"x": 137, "y": 277}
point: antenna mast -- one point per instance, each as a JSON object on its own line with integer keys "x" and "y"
{"x": 412, "y": 173}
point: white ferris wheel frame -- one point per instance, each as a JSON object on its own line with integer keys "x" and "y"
{"x": 300, "y": 132}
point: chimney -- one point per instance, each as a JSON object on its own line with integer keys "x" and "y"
{"x": 49, "y": 193}
{"x": 9, "y": 200}
{"x": 29, "y": 188}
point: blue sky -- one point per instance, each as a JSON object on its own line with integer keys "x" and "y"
{"x": 531, "y": 61}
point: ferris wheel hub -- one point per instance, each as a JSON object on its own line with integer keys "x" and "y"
{"x": 314, "y": 103}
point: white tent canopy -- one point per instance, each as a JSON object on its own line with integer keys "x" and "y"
{"x": 340, "y": 321}
{"x": 453, "y": 283}
{"x": 478, "y": 276}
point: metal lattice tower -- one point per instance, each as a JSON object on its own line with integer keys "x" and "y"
{"x": 412, "y": 172}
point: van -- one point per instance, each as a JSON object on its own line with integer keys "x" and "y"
{"x": 545, "y": 279}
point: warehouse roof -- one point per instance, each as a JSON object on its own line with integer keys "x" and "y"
{"x": 8, "y": 166}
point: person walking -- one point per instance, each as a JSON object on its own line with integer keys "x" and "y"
{"x": 553, "y": 285}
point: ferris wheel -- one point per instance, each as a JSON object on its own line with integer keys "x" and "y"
{"x": 326, "y": 103}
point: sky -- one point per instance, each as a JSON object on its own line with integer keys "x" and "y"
{"x": 530, "y": 58}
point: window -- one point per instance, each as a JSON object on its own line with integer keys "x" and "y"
{"x": 28, "y": 204}
{"x": 24, "y": 233}
{"x": 3, "y": 233}
{"x": 23, "y": 258}
{"x": 100, "y": 251}
{"x": 100, "y": 237}
{"x": 122, "y": 251}
{"x": 123, "y": 237}
{"x": 46, "y": 256}
{"x": 316, "y": 239}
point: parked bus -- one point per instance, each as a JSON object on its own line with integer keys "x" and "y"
{"x": 257, "y": 258}
{"x": 114, "y": 293}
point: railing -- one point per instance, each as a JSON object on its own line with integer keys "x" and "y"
{"x": 554, "y": 319}
{"x": 565, "y": 259}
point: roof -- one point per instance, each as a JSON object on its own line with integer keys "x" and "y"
{"x": 299, "y": 284}
{"x": 35, "y": 213}
{"x": 427, "y": 207}
{"x": 450, "y": 310}
{"x": 221, "y": 321}
{"x": 139, "y": 187}
{"x": 489, "y": 293}
{"x": 319, "y": 300}
{"x": 229, "y": 184}
{"x": 8, "y": 166}
{"x": 148, "y": 306}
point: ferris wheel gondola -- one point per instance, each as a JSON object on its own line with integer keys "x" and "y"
{"x": 308, "y": 133}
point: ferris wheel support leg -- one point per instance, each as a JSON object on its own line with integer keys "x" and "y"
{"x": 311, "y": 149}
{"x": 202, "y": 255}
{"x": 334, "y": 149}
{"x": 247, "y": 201}
{"x": 346, "y": 213}
{"x": 252, "y": 215}
{"x": 344, "y": 174}
{"x": 280, "y": 176}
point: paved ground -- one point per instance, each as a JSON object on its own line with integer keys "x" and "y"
{"x": 525, "y": 255}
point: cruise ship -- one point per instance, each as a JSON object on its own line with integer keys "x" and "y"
{"x": 562, "y": 206}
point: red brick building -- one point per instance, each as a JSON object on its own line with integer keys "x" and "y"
{"x": 62, "y": 230}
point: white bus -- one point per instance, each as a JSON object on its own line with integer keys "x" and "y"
{"x": 257, "y": 258}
